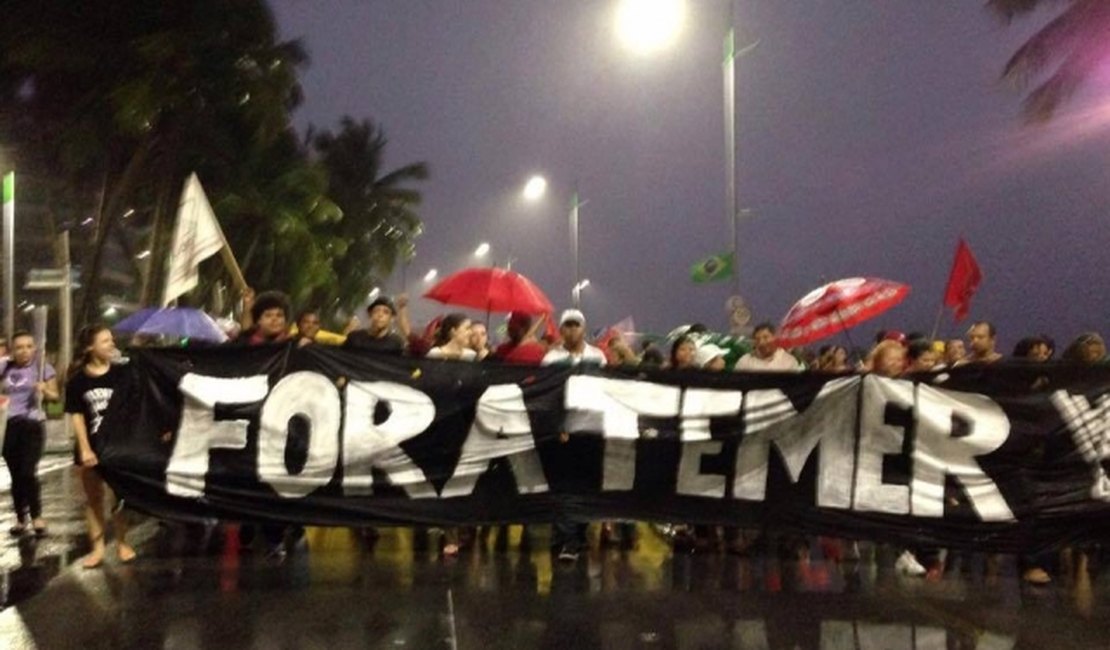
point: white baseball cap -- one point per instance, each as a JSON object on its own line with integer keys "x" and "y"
{"x": 572, "y": 316}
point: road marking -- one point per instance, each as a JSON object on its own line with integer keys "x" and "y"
{"x": 453, "y": 639}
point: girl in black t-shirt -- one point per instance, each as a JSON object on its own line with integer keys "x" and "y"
{"x": 91, "y": 380}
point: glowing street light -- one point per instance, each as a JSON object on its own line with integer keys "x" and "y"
{"x": 646, "y": 26}
{"x": 576, "y": 291}
{"x": 535, "y": 188}
{"x": 430, "y": 275}
{"x": 482, "y": 250}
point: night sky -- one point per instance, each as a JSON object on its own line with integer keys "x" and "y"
{"x": 871, "y": 135}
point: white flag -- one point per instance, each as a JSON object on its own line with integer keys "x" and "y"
{"x": 196, "y": 237}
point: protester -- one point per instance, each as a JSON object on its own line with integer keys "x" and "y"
{"x": 90, "y": 383}
{"x": 652, "y": 357}
{"x": 1088, "y": 349}
{"x": 833, "y": 358}
{"x": 954, "y": 353}
{"x": 683, "y": 354}
{"x": 453, "y": 339}
{"x": 26, "y": 383}
{"x": 269, "y": 314}
{"x": 710, "y": 357}
{"x": 380, "y": 334}
{"x": 982, "y": 337}
{"x": 1032, "y": 348}
{"x": 308, "y": 326}
{"x": 767, "y": 355}
{"x": 921, "y": 356}
{"x": 569, "y": 537}
{"x": 574, "y": 349}
{"x": 479, "y": 340}
{"x": 522, "y": 346}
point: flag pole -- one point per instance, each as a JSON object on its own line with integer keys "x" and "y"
{"x": 232, "y": 265}
{"x": 936, "y": 324}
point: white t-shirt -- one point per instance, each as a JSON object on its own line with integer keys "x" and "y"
{"x": 438, "y": 353}
{"x": 560, "y": 354}
{"x": 780, "y": 361}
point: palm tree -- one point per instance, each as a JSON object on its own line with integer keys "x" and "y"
{"x": 118, "y": 100}
{"x": 1076, "y": 41}
{"x": 380, "y": 223}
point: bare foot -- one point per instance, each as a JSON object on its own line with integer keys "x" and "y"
{"x": 93, "y": 559}
{"x": 125, "y": 552}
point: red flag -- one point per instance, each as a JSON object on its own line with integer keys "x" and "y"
{"x": 963, "y": 282}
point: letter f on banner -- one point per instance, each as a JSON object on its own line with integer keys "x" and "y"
{"x": 200, "y": 432}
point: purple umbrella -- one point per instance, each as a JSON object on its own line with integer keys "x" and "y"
{"x": 183, "y": 322}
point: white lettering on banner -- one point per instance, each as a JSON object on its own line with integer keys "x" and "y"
{"x": 613, "y": 406}
{"x": 314, "y": 399}
{"x": 827, "y": 422}
{"x": 620, "y": 403}
{"x": 691, "y": 481}
{"x": 949, "y": 429}
{"x": 1090, "y": 431}
{"x": 700, "y": 404}
{"x": 368, "y": 444}
{"x": 501, "y": 429}
{"x": 877, "y": 439}
{"x": 939, "y": 451}
{"x": 199, "y": 432}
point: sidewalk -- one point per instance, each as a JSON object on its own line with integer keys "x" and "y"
{"x": 28, "y": 564}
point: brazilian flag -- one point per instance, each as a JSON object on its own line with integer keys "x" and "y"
{"x": 713, "y": 268}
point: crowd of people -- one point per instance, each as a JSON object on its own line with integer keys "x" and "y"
{"x": 529, "y": 340}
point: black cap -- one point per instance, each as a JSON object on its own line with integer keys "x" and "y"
{"x": 382, "y": 300}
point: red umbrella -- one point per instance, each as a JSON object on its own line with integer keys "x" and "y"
{"x": 836, "y": 307}
{"x": 491, "y": 289}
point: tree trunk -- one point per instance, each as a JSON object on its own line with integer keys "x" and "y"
{"x": 107, "y": 218}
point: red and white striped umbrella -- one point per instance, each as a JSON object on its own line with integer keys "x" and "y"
{"x": 838, "y": 306}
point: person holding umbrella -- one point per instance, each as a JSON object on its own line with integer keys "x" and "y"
{"x": 26, "y": 384}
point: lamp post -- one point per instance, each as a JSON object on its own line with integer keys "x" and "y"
{"x": 646, "y": 26}
{"x": 9, "y": 253}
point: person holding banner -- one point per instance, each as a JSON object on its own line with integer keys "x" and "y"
{"x": 26, "y": 383}
{"x": 90, "y": 383}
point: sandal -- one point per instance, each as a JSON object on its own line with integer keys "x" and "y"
{"x": 17, "y": 530}
{"x": 39, "y": 528}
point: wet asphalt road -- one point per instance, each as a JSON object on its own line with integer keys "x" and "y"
{"x": 340, "y": 589}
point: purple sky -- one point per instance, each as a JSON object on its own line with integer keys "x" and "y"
{"x": 871, "y": 135}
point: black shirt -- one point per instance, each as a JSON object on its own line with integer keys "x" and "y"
{"x": 89, "y": 396}
{"x": 391, "y": 343}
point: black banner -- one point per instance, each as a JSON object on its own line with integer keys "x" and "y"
{"x": 992, "y": 458}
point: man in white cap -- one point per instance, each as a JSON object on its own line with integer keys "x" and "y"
{"x": 568, "y": 537}
{"x": 573, "y": 349}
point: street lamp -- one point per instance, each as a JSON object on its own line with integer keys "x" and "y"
{"x": 535, "y": 188}
{"x": 649, "y": 25}
{"x": 482, "y": 250}
{"x": 576, "y": 291}
{"x": 430, "y": 275}
{"x": 646, "y": 26}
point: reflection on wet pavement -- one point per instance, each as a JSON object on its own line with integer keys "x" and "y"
{"x": 341, "y": 588}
